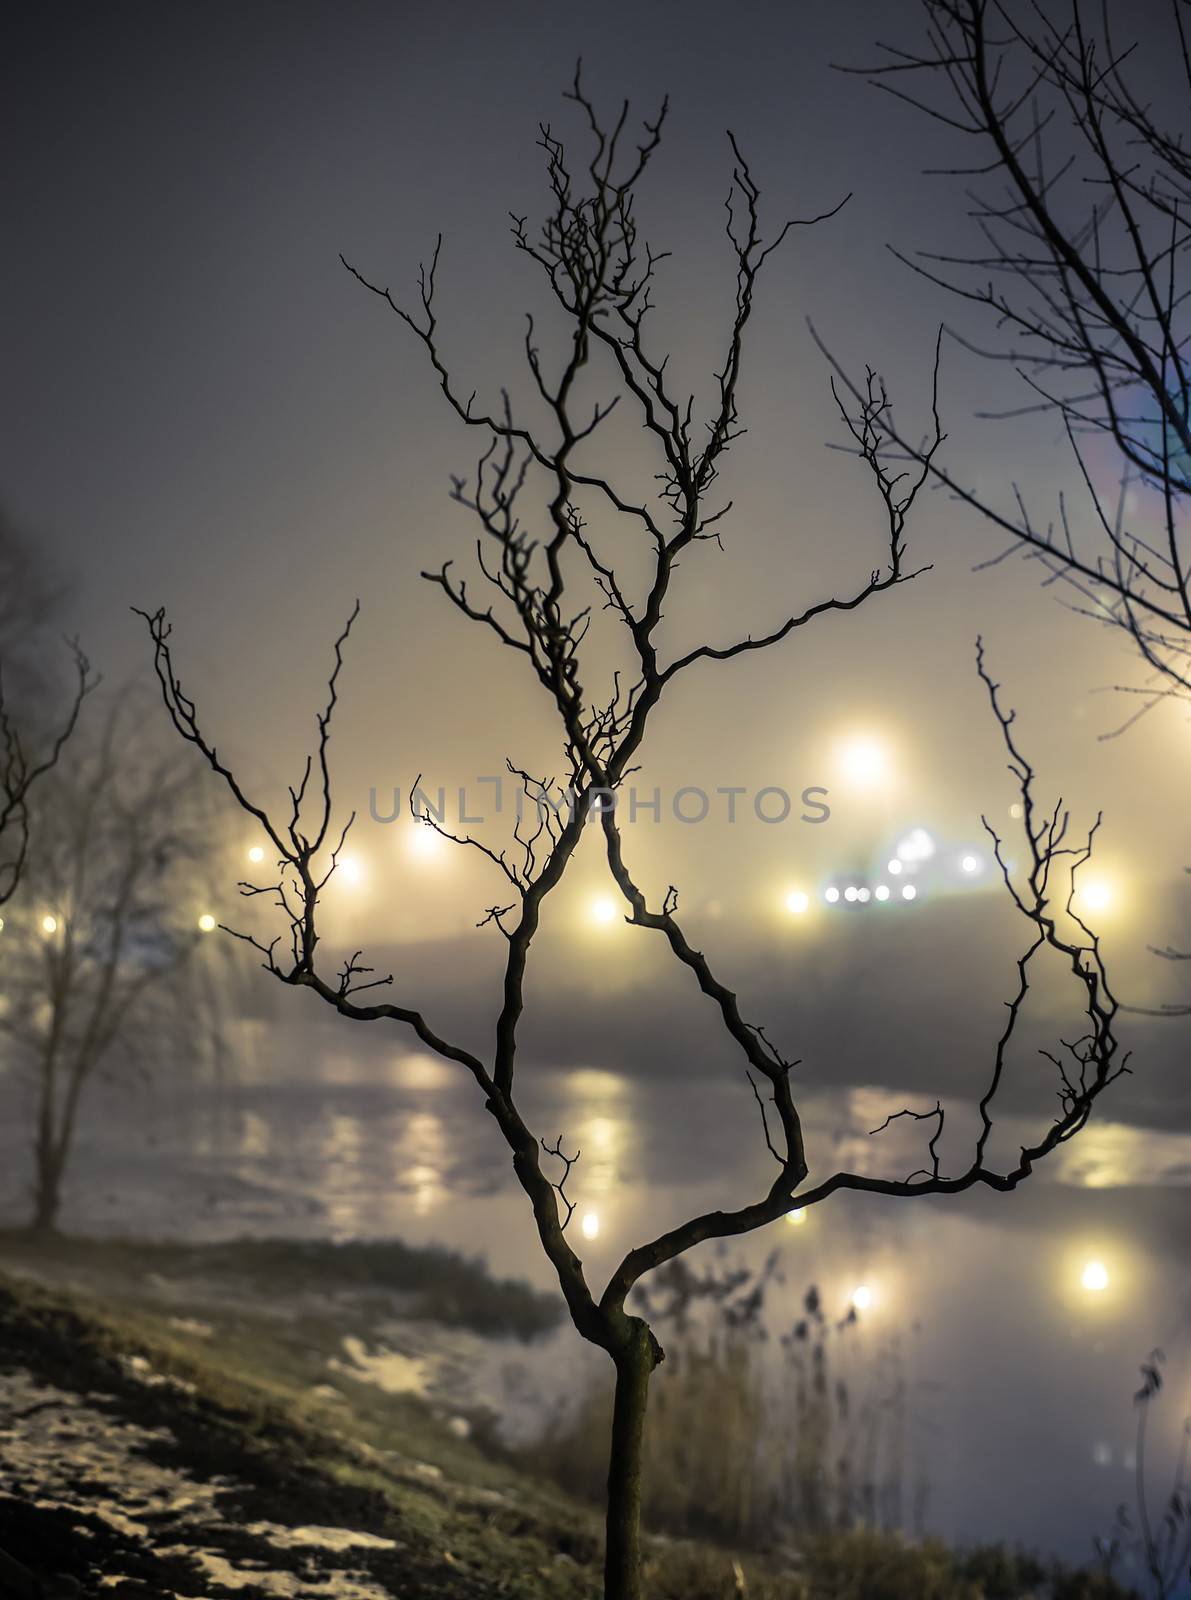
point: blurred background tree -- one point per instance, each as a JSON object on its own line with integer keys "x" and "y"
{"x": 99, "y": 969}
{"x": 30, "y": 744}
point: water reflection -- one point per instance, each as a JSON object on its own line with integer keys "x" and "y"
{"x": 1032, "y": 1362}
{"x": 1109, "y": 1154}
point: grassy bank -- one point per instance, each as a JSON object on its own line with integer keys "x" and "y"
{"x": 308, "y": 1478}
{"x": 429, "y": 1283}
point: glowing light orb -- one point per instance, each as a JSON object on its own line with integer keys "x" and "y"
{"x": 909, "y": 892}
{"x": 797, "y": 902}
{"x": 590, "y": 1226}
{"x": 831, "y": 895}
{"x": 881, "y": 892}
{"x": 603, "y": 910}
{"x": 1094, "y": 1277}
{"x": 1, "y": 924}
{"x": 796, "y": 1217}
{"x": 864, "y": 896}
{"x": 970, "y": 864}
{"x": 897, "y": 867}
{"x": 851, "y": 894}
{"x": 257, "y": 854}
{"x": 864, "y": 763}
{"x": 422, "y": 842}
{"x": 206, "y": 923}
{"x": 350, "y": 870}
{"x": 916, "y": 846}
{"x": 862, "y": 1297}
{"x": 1095, "y": 896}
{"x": 1017, "y": 811}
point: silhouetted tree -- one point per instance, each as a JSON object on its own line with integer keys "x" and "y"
{"x": 537, "y": 603}
{"x": 1084, "y": 215}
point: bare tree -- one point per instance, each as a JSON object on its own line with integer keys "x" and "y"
{"x": 538, "y": 602}
{"x": 20, "y": 771}
{"x": 1158, "y": 1543}
{"x": 111, "y": 905}
{"x": 26, "y": 601}
{"x": 1085, "y": 227}
{"x": 30, "y": 596}
{"x": 1083, "y": 210}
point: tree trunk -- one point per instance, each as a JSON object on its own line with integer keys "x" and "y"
{"x": 47, "y": 1193}
{"x": 622, "y": 1549}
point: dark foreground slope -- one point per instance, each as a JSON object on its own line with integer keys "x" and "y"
{"x": 153, "y": 1445}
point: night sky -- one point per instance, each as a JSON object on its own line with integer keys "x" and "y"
{"x": 202, "y": 410}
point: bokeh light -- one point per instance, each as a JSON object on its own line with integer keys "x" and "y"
{"x": 257, "y": 854}
{"x": 603, "y": 910}
{"x": 916, "y": 846}
{"x": 862, "y": 1297}
{"x": 49, "y": 924}
{"x": 1094, "y": 1277}
{"x": 1095, "y": 896}
{"x": 797, "y": 902}
{"x": 423, "y": 842}
{"x": 864, "y": 763}
{"x": 590, "y": 1225}
{"x": 206, "y": 923}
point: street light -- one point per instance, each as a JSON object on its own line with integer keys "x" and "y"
{"x": 916, "y": 846}
{"x": 351, "y": 869}
{"x": 864, "y": 763}
{"x": 1096, "y": 896}
{"x": 423, "y": 841}
{"x": 1095, "y": 1277}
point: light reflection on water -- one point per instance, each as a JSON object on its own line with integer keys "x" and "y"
{"x": 399, "y": 1144}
